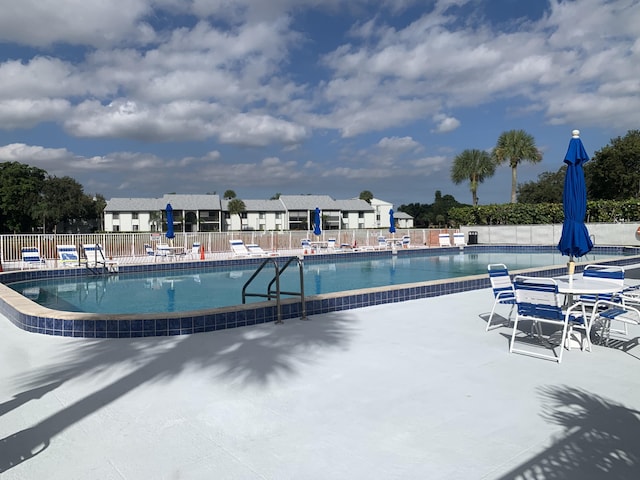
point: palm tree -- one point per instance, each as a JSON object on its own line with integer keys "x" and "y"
{"x": 236, "y": 207}
{"x": 366, "y": 195}
{"x": 473, "y": 165}
{"x": 229, "y": 194}
{"x": 515, "y": 146}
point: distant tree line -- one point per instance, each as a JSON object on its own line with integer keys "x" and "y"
{"x": 612, "y": 177}
{"x": 33, "y": 201}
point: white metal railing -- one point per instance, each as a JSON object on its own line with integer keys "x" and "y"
{"x": 125, "y": 245}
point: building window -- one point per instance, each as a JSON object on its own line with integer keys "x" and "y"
{"x": 134, "y": 216}
{"x": 360, "y": 214}
{"x": 116, "y": 228}
{"x": 136, "y": 228}
{"x": 116, "y": 215}
{"x": 261, "y": 215}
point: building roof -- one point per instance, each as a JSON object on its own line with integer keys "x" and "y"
{"x": 133, "y": 205}
{"x": 213, "y": 202}
{"x": 177, "y": 201}
{"x": 258, "y": 205}
{"x": 307, "y": 202}
{"x": 191, "y": 202}
{"x": 353, "y": 205}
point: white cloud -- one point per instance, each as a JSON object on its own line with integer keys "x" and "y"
{"x": 397, "y": 144}
{"x": 28, "y": 112}
{"x": 445, "y": 124}
{"x": 20, "y": 152}
{"x": 78, "y": 22}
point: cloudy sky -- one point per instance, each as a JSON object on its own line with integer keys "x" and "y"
{"x": 137, "y": 98}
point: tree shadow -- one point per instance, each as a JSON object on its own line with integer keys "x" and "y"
{"x": 601, "y": 439}
{"x": 254, "y": 355}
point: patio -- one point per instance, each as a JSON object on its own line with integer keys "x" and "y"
{"x": 411, "y": 390}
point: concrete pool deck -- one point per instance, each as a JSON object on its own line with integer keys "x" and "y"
{"x": 412, "y": 390}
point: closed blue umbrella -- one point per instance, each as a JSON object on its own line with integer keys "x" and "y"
{"x": 170, "y": 233}
{"x": 575, "y": 240}
{"x": 392, "y": 222}
{"x": 316, "y": 222}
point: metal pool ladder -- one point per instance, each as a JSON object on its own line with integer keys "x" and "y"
{"x": 271, "y": 294}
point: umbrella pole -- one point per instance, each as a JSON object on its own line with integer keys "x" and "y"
{"x": 571, "y": 266}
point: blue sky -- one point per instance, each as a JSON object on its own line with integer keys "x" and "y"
{"x": 137, "y": 98}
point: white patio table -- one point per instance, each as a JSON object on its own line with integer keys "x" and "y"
{"x": 580, "y": 285}
{"x": 584, "y": 286}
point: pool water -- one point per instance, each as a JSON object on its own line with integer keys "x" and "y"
{"x": 198, "y": 289}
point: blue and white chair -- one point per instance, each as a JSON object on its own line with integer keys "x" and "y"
{"x": 503, "y": 291}
{"x": 406, "y": 241}
{"x": 612, "y": 273}
{"x": 31, "y": 258}
{"x": 68, "y": 256}
{"x": 538, "y": 302}
{"x": 619, "y": 310}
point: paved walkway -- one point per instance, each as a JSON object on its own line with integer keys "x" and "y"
{"x": 415, "y": 390}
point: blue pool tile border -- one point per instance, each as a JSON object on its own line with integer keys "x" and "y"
{"x": 117, "y": 326}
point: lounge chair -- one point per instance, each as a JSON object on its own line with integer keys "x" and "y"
{"x": 164, "y": 250}
{"x": 406, "y": 241}
{"x": 458, "y": 239}
{"x": 382, "y": 243}
{"x": 538, "y": 302}
{"x": 444, "y": 240}
{"x": 257, "y": 251}
{"x": 149, "y": 250}
{"x": 95, "y": 258}
{"x": 31, "y": 258}
{"x": 503, "y": 291}
{"x": 68, "y": 256}
{"x": 239, "y": 249}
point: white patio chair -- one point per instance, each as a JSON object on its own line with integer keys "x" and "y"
{"x": 444, "y": 240}
{"x": 503, "y": 291}
{"x": 538, "y": 301}
{"x": 383, "y": 244}
{"x": 406, "y": 241}
{"x": 95, "y": 257}
{"x": 458, "y": 239}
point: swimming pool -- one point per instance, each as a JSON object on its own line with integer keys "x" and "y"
{"x": 215, "y": 287}
{"x": 32, "y": 317}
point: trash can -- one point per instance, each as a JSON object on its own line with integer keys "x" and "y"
{"x": 473, "y": 238}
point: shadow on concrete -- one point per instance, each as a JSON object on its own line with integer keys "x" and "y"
{"x": 254, "y": 355}
{"x": 601, "y": 439}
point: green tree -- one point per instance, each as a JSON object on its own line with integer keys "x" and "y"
{"x": 236, "y": 207}
{"x": 276, "y": 196}
{"x": 366, "y": 195}
{"x": 515, "y": 146}
{"x": 614, "y": 171}
{"x": 20, "y": 198}
{"x": 472, "y": 165}
{"x": 64, "y": 200}
{"x": 229, "y": 194}
{"x": 548, "y": 188}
